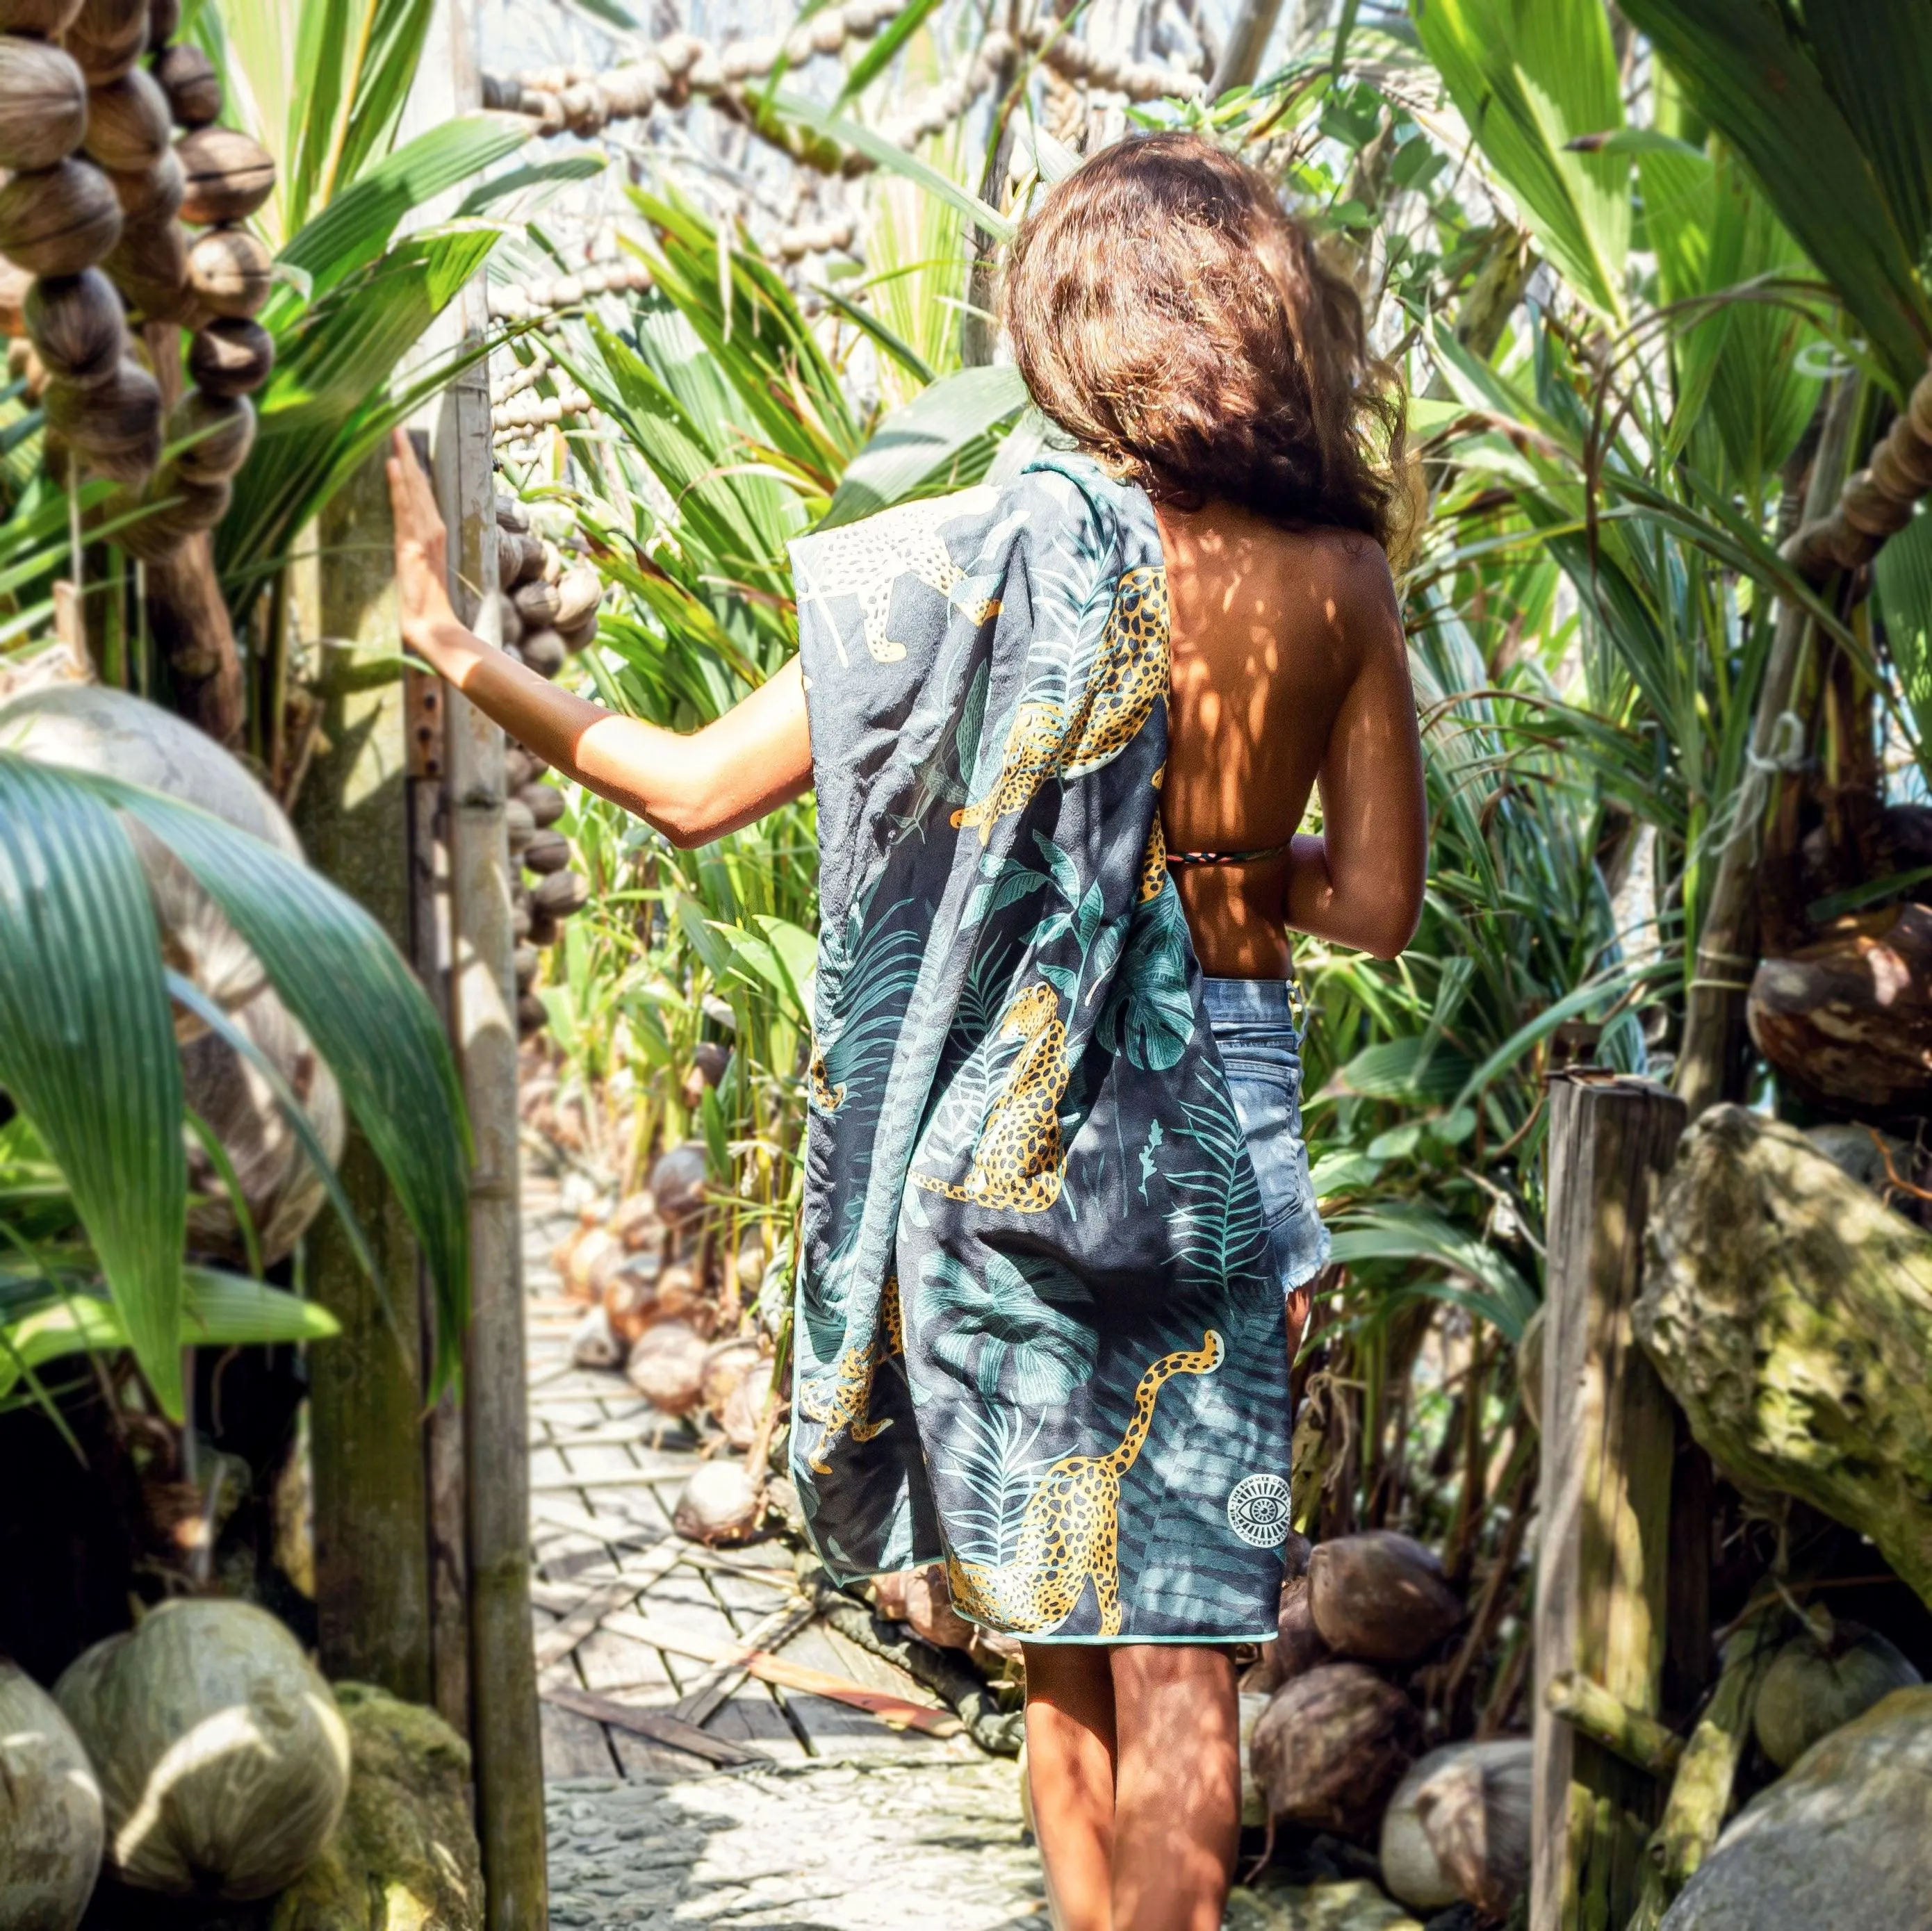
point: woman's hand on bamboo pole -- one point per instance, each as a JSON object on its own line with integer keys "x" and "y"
{"x": 693, "y": 788}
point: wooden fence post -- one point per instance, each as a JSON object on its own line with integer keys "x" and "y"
{"x": 1610, "y": 1442}
{"x": 505, "y": 1739}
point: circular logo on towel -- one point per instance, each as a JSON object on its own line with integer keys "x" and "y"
{"x": 1258, "y": 1510}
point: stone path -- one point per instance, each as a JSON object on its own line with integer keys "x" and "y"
{"x": 839, "y": 1816}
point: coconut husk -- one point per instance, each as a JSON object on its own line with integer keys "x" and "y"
{"x": 149, "y": 266}
{"x": 546, "y": 804}
{"x": 546, "y": 852}
{"x": 76, "y": 326}
{"x": 635, "y": 1218}
{"x": 545, "y": 652}
{"x": 580, "y": 590}
{"x": 580, "y": 636}
{"x": 592, "y": 1343}
{"x": 524, "y": 963}
{"x": 129, "y": 125}
{"x": 631, "y": 1295}
{"x": 678, "y": 1182}
{"x": 532, "y": 1015}
{"x": 230, "y": 272}
{"x": 1822, "y": 1680}
{"x": 1475, "y": 1811}
{"x": 722, "y": 1503}
{"x": 188, "y": 79}
{"x": 163, "y": 21}
{"x": 50, "y": 17}
{"x": 744, "y": 1413}
{"x": 183, "y": 506}
{"x": 512, "y": 515}
{"x": 1331, "y": 1747}
{"x": 581, "y": 1259}
{"x": 929, "y": 1610}
{"x": 217, "y": 433}
{"x": 729, "y": 1364}
{"x": 1848, "y": 1021}
{"x": 537, "y": 603}
{"x": 560, "y": 895}
{"x": 151, "y": 194}
{"x": 519, "y": 827}
{"x": 1381, "y": 1597}
{"x": 666, "y": 1367}
{"x": 231, "y": 358}
{"x": 59, "y": 220}
{"x": 105, "y": 57}
{"x": 229, "y": 175}
{"x": 43, "y": 104}
{"x": 541, "y": 929}
{"x": 114, "y": 426}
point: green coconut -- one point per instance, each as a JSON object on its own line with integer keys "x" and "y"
{"x": 1820, "y": 1680}
{"x": 223, "y": 1760}
{"x": 50, "y": 1820}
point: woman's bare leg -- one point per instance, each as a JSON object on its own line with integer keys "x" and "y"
{"x": 1070, "y": 1768}
{"x": 1177, "y": 1787}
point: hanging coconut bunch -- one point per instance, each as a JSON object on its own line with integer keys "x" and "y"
{"x": 213, "y": 178}
{"x": 61, "y": 219}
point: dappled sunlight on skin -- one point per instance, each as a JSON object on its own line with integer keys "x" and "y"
{"x": 1289, "y": 667}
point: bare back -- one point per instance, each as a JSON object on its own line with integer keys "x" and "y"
{"x": 1289, "y": 669}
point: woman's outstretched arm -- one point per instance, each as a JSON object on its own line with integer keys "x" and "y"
{"x": 693, "y": 788}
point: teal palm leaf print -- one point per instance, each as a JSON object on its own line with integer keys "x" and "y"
{"x": 1005, "y": 1329}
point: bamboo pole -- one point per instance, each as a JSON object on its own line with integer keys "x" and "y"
{"x": 371, "y": 1548}
{"x": 504, "y": 1724}
{"x": 1608, "y": 1448}
{"x": 1715, "y": 1037}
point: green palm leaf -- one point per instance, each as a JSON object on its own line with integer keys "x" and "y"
{"x": 1748, "y": 75}
{"x": 932, "y": 438}
{"x": 338, "y": 973}
{"x": 87, "y": 1046}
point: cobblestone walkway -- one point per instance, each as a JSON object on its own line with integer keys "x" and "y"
{"x": 847, "y": 1846}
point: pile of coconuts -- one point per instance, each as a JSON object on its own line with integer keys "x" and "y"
{"x": 666, "y": 1304}
{"x": 546, "y": 606}
{"x": 93, "y": 94}
{"x": 199, "y": 1755}
{"x": 1338, "y": 1747}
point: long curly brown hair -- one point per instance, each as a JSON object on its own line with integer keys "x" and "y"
{"x": 1171, "y": 316}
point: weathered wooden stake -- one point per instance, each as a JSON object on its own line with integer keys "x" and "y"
{"x": 372, "y": 1567}
{"x": 1609, "y": 1447}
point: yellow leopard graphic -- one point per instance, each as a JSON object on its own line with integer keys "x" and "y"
{"x": 1129, "y": 676}
{"x": 1070, "y": 1532}
{"x": 865, "y": 559}
{"x": 1019, "y": 1159}
{"x": 844, "y": 1409}
{"x": 1153, "y": 866}
{"x": 828, "y": 1098}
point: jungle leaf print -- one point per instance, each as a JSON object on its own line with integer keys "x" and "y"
{"x": 1149, "y": 1015}
{"x": 1005, "y": 1329}
{"x": 1018, "y": 1112}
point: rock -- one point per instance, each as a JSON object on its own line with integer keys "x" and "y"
{"x": 1843, "y": 1840}
{"x": 1859, "y": 1151}
{"x": 592, "y": 1344}
{"x": 720, "y": 1502}
{"x": 1380, "y": 1596}
{"x": 1848, "y": 1021}
{"x": 406, "y": 1855}
{"x": 1790, "y": 1314}
{"x": 1332, "y": 1745}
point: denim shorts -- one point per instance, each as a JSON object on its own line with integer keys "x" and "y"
{"x": 1253, "y": 1024}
